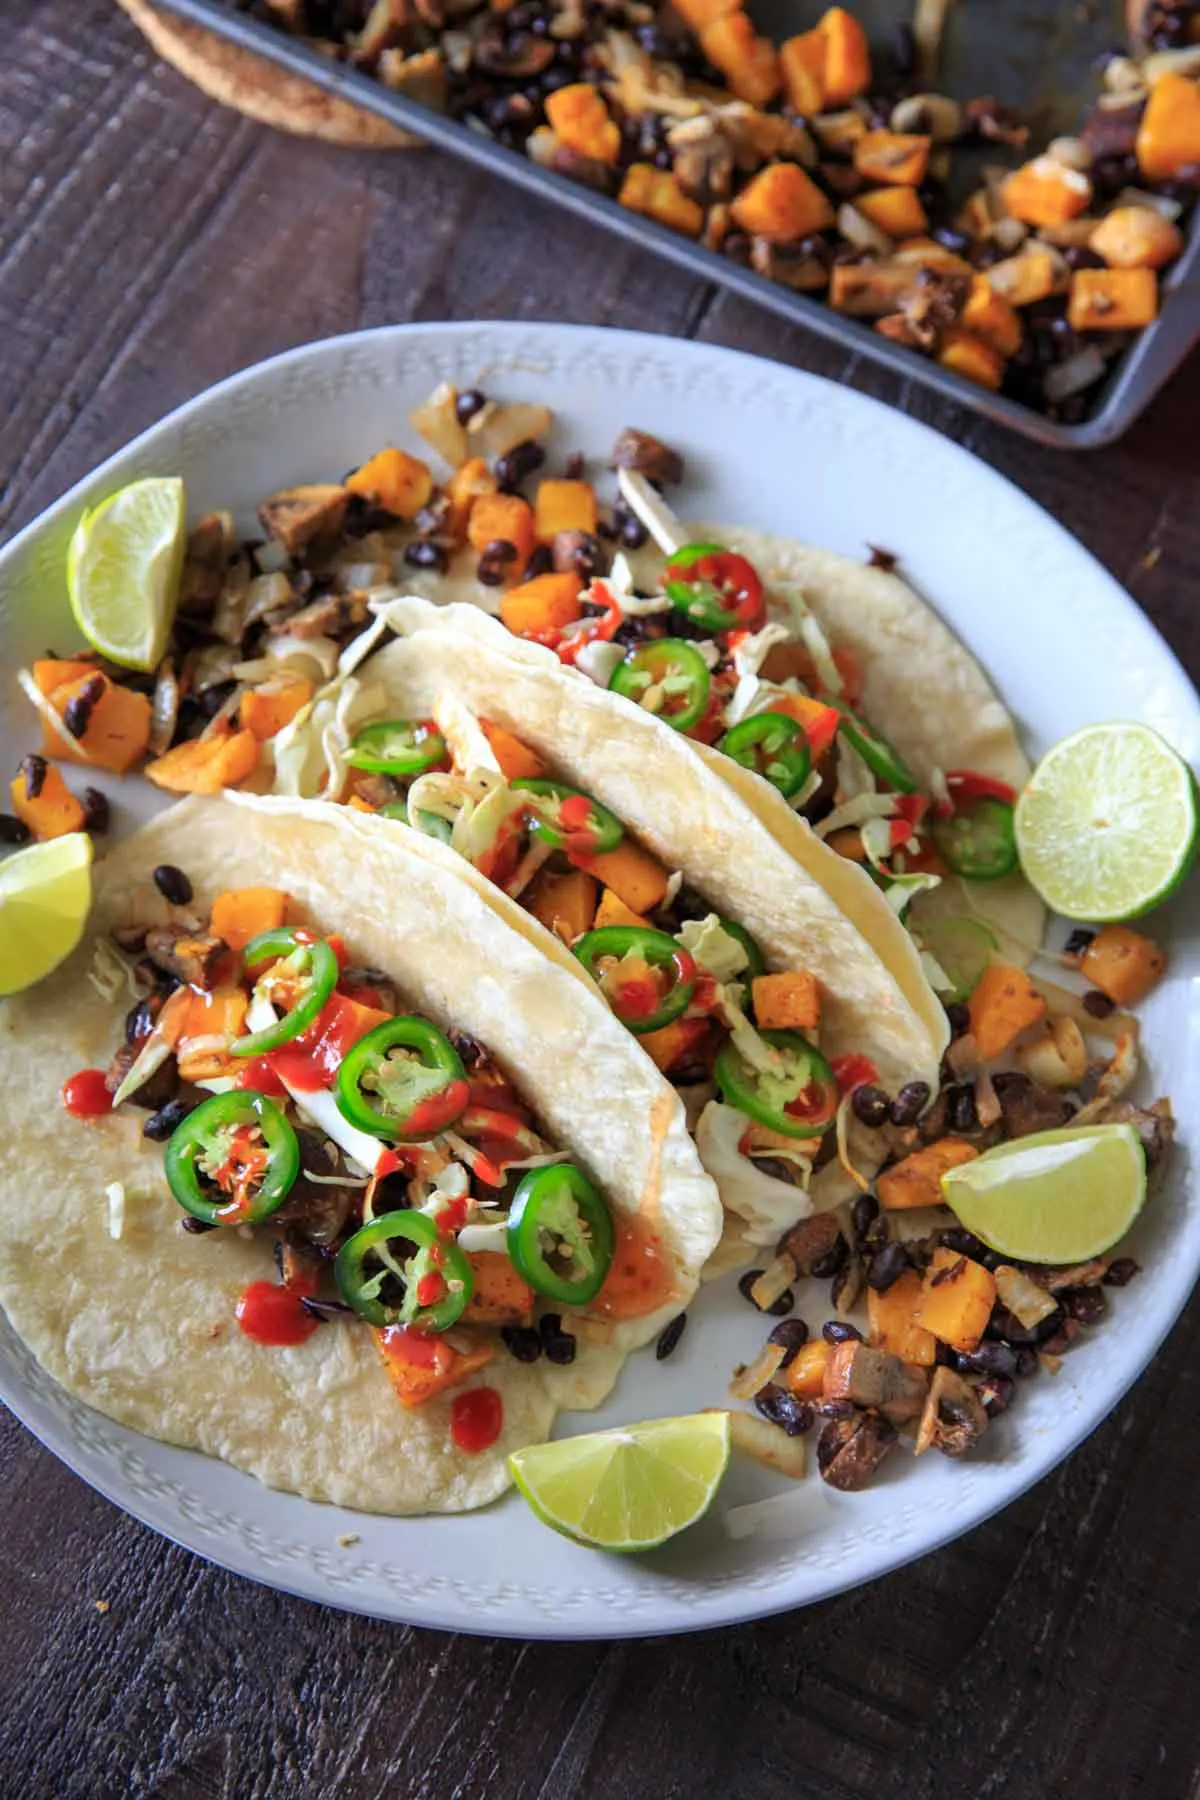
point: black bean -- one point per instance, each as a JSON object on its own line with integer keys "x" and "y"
{"x": 1078, "y": 941}
{"x": 953, "y": 239}
{"x": 904, "y": 50}
{"x": 633, "y": 533}
{"x": 1027, "y": 1362}
{"x": 196, "y": 1225}
{"x": 996, "y": 1393}
{"x": 988, "y": 1359}
{"x": 961, "y": 1241}
{"x": 1121, "y": 1272}
{"x": 13, "y": 831}
{"x": 494, "y": 561}
{"x": 34, "y": 769}
{"x": 77, "y": 714}
{"x": 836, "y": 1409}
{"x": 422, "y": 554}
{"x": 793, "y": 1415}
{"x": 960, "y": 1108}
{"x": 864, "y": 1213}
{"x": 173, "y": 884}
{"x": 575, "y": 466}
{"x": 669, "y": 1337}
{"x": 834, "y": 1259}
{"x": 139, "y": 1021}
{"x": 1098, "y": 1004}
{"x": 161, "y": 1124}
{"x": 746, "y": 1282}
{"x": 958, "y": 1017}
{"x": 95, "y": 811}
{"x": 778, "y": 1308}
{"x": 557, "y": 1344}
{"x": 793, "y": 1335}
{"x": 517, "y": 463}
{"x": 468, "y": 403}
{"x": 910, "y": 1103}
{"x": 840, "y": 1331}
{"x": 870, "y": 1105}
{"x": 521, "y": 1341}
{"x": 1087, "y": 1304}
{"x": 887, "y": 1267}
{"x": 540, "y": 563}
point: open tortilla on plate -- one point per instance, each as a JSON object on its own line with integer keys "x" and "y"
{"x": 137, "y": 1317}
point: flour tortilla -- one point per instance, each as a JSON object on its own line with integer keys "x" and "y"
{"x": 260, "y": 89}
{"x": 692, "y": 820}
{"x": 143, "y": 1327}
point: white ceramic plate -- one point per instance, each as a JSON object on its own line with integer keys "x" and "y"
{"x": 788, "y": 452}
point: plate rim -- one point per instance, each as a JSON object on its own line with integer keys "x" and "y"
{"x": 1037, "y": 1459}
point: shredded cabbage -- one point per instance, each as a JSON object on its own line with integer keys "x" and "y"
{"x": 745, "y": 1039}
{"x": 812, "y": 637}
{"x": 109, "y": 972}
{"x": 857, "y": 811}
{"x": 598, "y": 660}
{"x": 903, "y": 888}
{"x": 714, "y": 949}
{"x": 767, "y": 1204}
{"x": 750, "y": 654}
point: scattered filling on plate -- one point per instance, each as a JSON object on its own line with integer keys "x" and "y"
{"x": 830, "y": 165}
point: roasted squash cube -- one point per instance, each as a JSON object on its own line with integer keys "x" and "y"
{"x": 957, "y": 1298}
{"x": 581, "y": 122}
{"x": 542, "y": 606}
{"x": 565, "y": 904}
{"x": 635, "y": 876}
{"x": 749, "y": 63}
{"x": 891, "y": 1317}
{"x": 802, "y": 64}
{"x": 1112, "y": 299}
{"x": 896, "y": 210}
{"x": 52, "y": 812}
{"x": 564, "y": 506}
{"x": 1123, "y": 964}
{"x": 986, "y": 315}
{"x": 917, "y": 1179}
{"x": 847, "y": 57}
{"x": 657, "y": 195}
{"x": 1003, "y": 1005}
{"x": 971, "y": 356}
{"x": 787, "y": 1002}
{"x": 781, "y": 204}
{"x": 1168, "y": 137}
{"x": 1046, "y": 192}
{"x": 894, "y": 158}
{"x": 392, "y": 479}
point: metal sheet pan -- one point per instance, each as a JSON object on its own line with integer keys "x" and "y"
{"x": 1037, "y": 57}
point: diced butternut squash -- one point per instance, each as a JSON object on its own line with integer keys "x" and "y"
{"x": 1112, "y": 299}
{"x": 356, "y": 803}
{"x": 847, "y": 57}
{"x": 782, "y": 204}
{"x": 516, "y": 760}
{"x": 51, "y": 672}
{"x": 504, "y": 517}
{"x": 500, "y": 1297}
{"x": 542, "y": 605}
{"x": 957, "y": 1298}
{"x": 564, "y": 506}
{"x": 582, "y": 122}
{"x": 1046, "y": 192}
{"x": 891, "y": 1317}
{"x": 1168, "y": 137}
{"x": 802, "y": 64}
{"x": 206, "y": 765}
{"x": 966, "y": 354}
{"x": 392, "y": 479}
{"x": 805, "y": 1374}
{"x": 52, "y": 812}
{"x": 421, "y": 1366}
{"x": 634, "y": 876}
{"x": 787, "y": 1002}
{"x": 613, "y": 911}
{"x": 894, "y": 158}
{"x": 468, "y": 484}
{"x": 699, "y": 14}
{"x": 917, "y": 1179}
{"x": 748, "y": 62}
{"x": 1123, "y": 964}
{"x": 819, "y": 719}
{"x": 565, "y": 904}
{"x": 266, "y": 710}
{"x": 657, "y": 195}
{"x": 240, "y": 914}
{"x": 870, "y": 290}
{"x": 1032, "y": 275}
{"x": 896, "y": 210}
{"x": 220, "y": 1014}
{"x": 670, "y": 1043}
{"x": 986, "y": 315}
{"x": 1136, "y": 237}
{"x": 117, "y": 730}
{"x": 1003, "y": 1005}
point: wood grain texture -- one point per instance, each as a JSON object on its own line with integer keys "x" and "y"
{"x": 150, "y": 244}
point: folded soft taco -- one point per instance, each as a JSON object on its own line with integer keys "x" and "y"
{"x": 593, "y": 828}
{"x": 383, "y": 1187}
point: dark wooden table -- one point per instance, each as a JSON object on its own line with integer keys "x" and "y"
{"x": 150, "y": 244}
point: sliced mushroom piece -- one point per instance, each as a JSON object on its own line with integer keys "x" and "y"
{"x": 209, "y": 547}
{"x": 790, "y": 264}
{"x": 189, "y": 956}
{"x": 815, "y": 1244}
{"x": 954, "y": 1418}
{"x": 875, "y": 1379}
{"x": 304, "y": 515}
{"x": 850, "y": 1450}
{"x": 421, "y": 77}
{"x": 648, "y": 456}
{"x": 389, "y": 22}
{"x": 929, "y": 115}
{"x": 1155, "y": 1125}
{"x": 1026, "y": 1107}
{"x": 164, "y": 708}
{"x": 702, "y": 163}
{"x": 517, "y": 58}
{"x": 331, "y": 616}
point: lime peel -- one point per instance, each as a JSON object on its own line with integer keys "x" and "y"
{"x": 1055, "y": 1197}
{"x": 45, "y": 898}
{"x": 124, "y": 566}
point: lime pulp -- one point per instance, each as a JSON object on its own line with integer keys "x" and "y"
{"x": 123, "y": 570}
{"x": 45, "y": 897}
{"x": 1055, "y": 1197}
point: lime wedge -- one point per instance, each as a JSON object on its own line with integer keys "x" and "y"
{"x": 123, "y": 570}
{"x": 1056, "y": 1197}
{"x": 627, "y": 1489}
{"x": 45, "y": 895}
{"x": 1107, "y": 826}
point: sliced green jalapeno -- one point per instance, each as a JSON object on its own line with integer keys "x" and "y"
{"x": 302, "y": 958}
{"x": 403, "y": 1081}
{"x": 404, "y": 1251}
{"x": 669, "y": 678}
{"x": 567, "y": 819}
{"x": 774, "y": 746}
{"x": 560, "y": 1234}
{"x": 233, "y": 1160}
{"x": 715, "y": 588}
{"x": 798, "y": 1096}
{"x": 397, "y": 747}
{"x": 979, "y": 842}
{"x": 638, "y": 1000}
{"x": 876, "y": 752}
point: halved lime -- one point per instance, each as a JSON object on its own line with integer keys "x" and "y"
{"x": 45, "y": 897}
{"x": 1107, "y": 825}
{"x": 630, "y": 1488}
{"x": 1056, "y": 1197}
{"x": 123, "y": 570}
